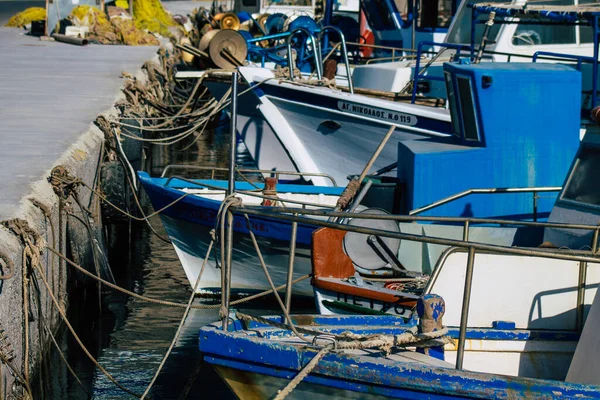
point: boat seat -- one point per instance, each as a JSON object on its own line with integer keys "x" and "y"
{"x": 375, "y": 293}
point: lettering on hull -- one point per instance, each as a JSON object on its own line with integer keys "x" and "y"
{"x": 378, "y": 113}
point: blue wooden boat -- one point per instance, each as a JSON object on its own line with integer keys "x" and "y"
{"x": 522, "y": 321}
{"x": 189, "y": 221}
{"x": 257, "y": 360}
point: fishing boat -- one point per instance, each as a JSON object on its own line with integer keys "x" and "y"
{"x": 311, "y": 125}
{"x": 344, "y": 264}
{"x": 191, "y": 210}
{"x": 520, "y": 321}
{"x": 341, "y": 130}
{"x": 483, "y": 153}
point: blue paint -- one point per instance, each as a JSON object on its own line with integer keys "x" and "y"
{"x": 504, "y": 325}
{"x": 372, "y": 374}
{"x": 203, "y": 211}
{"x": 524, "y": 132}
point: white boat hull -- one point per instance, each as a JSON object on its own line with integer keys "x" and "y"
{"x": 191, "y": 243}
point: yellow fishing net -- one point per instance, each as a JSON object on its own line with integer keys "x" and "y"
{"x": 117, "y": 30}
{"x": 27, "y": 16}
{"x": 150, "y": 15}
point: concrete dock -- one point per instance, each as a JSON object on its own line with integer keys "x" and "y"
{"x": 50, "y": 95}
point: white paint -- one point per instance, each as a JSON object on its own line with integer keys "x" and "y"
{"x": 585, "y": 367}
{"x": 528, "y": 359}
{"x": 315, "y": 199}
{"x": 532, "y": 292}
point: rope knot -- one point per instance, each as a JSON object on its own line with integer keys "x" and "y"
{"x": 62, "y": 182}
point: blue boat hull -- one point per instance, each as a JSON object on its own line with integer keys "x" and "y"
{"x": 190, "y": 220}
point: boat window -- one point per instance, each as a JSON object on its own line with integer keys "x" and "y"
{"x": 460, "y": 30}
{"x": 379, "y": 15}
{"x": 533, "y": 35}
{"x": 467, "y": 106}
{"x": 435, "y": 14}
{"x": 582, "y": 185}
{"x": 452, "y": 101}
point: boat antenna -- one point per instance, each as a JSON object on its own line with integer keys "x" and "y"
{"x": 484, "y": 39}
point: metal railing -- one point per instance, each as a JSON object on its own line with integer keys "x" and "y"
{"x": 446, "y": 200}
{"x": 241, "y": 171}
{"x": 582, "y": 256}
{"x": 344, "y": 53}
{"x": 315, "y": 52}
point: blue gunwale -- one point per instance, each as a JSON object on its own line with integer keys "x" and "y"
{"x": 203, "y": 211}
{"x": 240, "y": 351}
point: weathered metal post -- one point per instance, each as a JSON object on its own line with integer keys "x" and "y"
{"x": 581, "y": 295}
{"x": 226, "y": 268}
{"x": 464, "y": 316}
{"x": 233, "y": 133}
{"x": 431, "y": 309}
{"x": 290, "y": 277}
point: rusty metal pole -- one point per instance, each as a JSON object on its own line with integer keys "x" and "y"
{"x": 464, "y": 317}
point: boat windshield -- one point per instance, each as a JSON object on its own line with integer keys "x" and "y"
{"x": 460, "y": 30}
{"x": 582, "y": 186}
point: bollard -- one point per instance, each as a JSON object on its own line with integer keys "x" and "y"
{"x": 431, "y": 309}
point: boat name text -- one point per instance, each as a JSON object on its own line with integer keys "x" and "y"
{"x": 379, "y": 113}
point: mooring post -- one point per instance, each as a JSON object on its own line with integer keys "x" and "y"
{"x": 431, "y": 309}
{"x": 233, "y": 132}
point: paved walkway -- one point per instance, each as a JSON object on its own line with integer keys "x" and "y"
{"x": 50, "y": 93}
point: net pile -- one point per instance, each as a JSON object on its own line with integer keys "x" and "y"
{"x": 26, "y": 17}
{"x": 119, "y": 29}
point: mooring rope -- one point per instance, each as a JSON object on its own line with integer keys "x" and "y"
{"x": 306, "y": 370}
{"x": 77, "y": 339}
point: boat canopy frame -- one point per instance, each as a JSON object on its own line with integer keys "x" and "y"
{"x": 583, "y": 15}
{"x": 541, "y": 15}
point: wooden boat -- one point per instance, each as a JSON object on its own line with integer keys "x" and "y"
{"x": 521, "y": 321}
{"x": 188, "y": 223}
{"x": 516, "y": 338}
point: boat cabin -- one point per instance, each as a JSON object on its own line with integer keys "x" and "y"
{"x": 515, "y": 125}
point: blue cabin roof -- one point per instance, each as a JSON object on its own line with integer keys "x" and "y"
{"x": 514, "y": 125}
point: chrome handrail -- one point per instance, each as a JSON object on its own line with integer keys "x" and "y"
{"x": 344, "y": 52}
{"x": 242, "y": 170}
{"x": 315, "y": 52}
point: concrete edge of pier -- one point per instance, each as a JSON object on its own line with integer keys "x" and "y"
{"x": 82, "y": 160}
